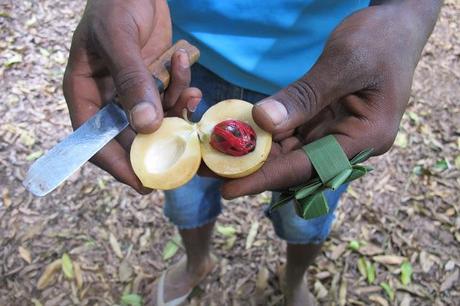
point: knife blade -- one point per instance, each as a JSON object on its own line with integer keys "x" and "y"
{"x": 65, "y": 158}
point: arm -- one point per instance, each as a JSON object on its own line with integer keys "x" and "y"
{"x": 357, "y": 91}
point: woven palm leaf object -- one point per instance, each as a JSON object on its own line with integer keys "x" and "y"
{"x": 333, "y": 170}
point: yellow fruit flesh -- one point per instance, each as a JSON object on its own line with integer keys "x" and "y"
{"x": 227, "y": 165}
{"x": 167, "y": 158}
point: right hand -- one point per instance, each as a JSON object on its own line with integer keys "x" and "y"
{"x": 114, "y": 43}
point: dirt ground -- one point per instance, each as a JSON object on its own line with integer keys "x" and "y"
{"x": 406, "y": 214}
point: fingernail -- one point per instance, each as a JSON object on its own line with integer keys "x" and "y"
{"x": 142, "y": 115}
{"x": 274, "y": 110}
{"x": 192, "y": 104}
{"x": 183, "y": 59}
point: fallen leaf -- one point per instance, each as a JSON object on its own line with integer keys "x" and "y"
{"x": 441, "y": 165}
{"x": 449, "y": 265}
{"x": 370, "y": 249}
{"x": 125, "y": 271}
{"x": 343, "y": 292}
{"x": 6, "y": 198}
{"x": 229, "y": 243}
{"x": 338, "y": 251}
{"x": 425, "y": 261}
{"x": 67, "y": 266}
{"x": 262, "y": 279}
{"x": 170, "y": 250}
{"x": 389, "y": 259}
{"x": 401, "y": 140}
{"x": 450, "y": 280}
{"x": 388, "y": 290}
{"x": 226, "y": 231}
{"x": 457, "y": 162}
{"x": 131, "y": 300}
{"x": 362, "y": 266}
{"x": 12, "y": 59}
{"x": 252, "y": 234}
{"x": 34, "y": 155}
{"x": 406, "y": 300}
{"x": 78, "y": 275}
{"x": 36, "y": 302}
{"x": 379, "y": 300}
{"x": 115, "y": 246}
{"x": 406, "y": 273}
{"x": 370, "y": 271}
{"x": 48, "y": 275}
{"x": 320, "y": 291}
{"x": 25, "y": 254}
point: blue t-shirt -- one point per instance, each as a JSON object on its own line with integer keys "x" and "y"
{"x": 259, "y": 45}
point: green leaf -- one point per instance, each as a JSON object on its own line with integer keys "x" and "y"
{"x": 67, "y": 266}
{"x": 34, "y": 155}
{"x": 13, "y": 59}
{"x": 283, "y": 199}
{"x": 415, "y": 119}
{"x": 131, "y": 299}
{"x": 354, "y": 245}
{"x": 307, "y": 190}
{"x": 313, "y": 206}
{"x": 362, "y": 266}
{"x": 406, "y": 273}
{"x": 226, "y": 231}
{"x": 388, "y": 290}
{"x": 401, "y": 140}
{"x": 170, "y": 250}
{"x": 361, "y": 156}
{"x": 441, "y": 165}
{"x": 339, "y": 179}
{"x": 370, "y": 270}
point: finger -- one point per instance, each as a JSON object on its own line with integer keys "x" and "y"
{"x": 126, "y": 138}
{"x": 285, "y": 171}
{"x": 338, "y": 72}
{"x": 115, "y": 160}
{"x": 119, "y": 47}
{"x": 188, "y": 99}
{"x": 180, "y": 78}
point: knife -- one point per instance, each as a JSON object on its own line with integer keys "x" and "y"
{"x": 66, "y": 157}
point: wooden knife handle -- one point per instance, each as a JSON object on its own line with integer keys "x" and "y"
{"x": 160, "y": 67}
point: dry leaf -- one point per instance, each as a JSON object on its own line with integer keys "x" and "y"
{"x": 115, "y": 246}
{"x": 389, "y": 259}
{"x": 252, "y": 234}
{"x": 6, "y": 197}
{"x": 379, "y": 300}
{"x": 125, "y": 271}
{"x": 338, "y": 251}
{"x": 370, "y": 249}
{"x": 25, "y": 254}
{"x": 262, "y": 279}
{"x": 406, "y": 300}
{"x": 450, "y": 280}
{"x": 343, "y": 292}
{"x": 320, "y": 290}
{"x": 78, "y": 275}
{"x": 48, "y": 275}
{"x": 425, "y": 261}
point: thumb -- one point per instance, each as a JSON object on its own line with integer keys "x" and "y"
{"x": 134, "y": 83}
{"x": 327, "y": 81}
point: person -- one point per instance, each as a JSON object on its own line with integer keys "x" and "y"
{"x": 312, "y": 68}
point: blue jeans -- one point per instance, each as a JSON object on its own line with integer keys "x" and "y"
{"x": 199, "y": 202}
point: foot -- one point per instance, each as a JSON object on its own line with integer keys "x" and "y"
{"x": 180, "y": 279}
{"x": 300, "y": 296}
{"x": 295, "y": 294}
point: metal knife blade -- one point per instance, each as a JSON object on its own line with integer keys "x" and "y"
{"x": 53, "y": 168}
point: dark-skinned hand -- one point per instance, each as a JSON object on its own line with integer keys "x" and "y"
{"x": 114, "y": 43}
{"x": 357, "y": 91}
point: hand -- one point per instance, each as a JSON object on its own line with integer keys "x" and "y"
{"x": 357, "y": 91}
{"x": 111, "y": 50}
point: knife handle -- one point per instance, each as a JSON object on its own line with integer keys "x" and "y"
{"x": 161, "y": 66}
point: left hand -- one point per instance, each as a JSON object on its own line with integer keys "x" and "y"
{"x": 357, "y": 91}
